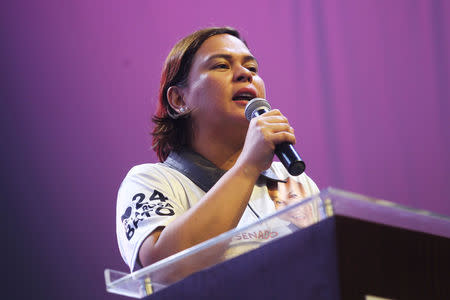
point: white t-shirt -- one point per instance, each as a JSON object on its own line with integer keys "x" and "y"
{"x": 152, "y": 195}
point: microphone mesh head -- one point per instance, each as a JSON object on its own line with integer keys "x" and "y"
{"x": 254, "y": 104}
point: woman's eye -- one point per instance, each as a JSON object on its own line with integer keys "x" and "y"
{"x": 292, "y": 195}
{"x": 252, "y": 69}
{"x": 221, "y": 66}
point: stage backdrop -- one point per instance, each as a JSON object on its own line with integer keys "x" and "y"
{"x": 365, "y": 84}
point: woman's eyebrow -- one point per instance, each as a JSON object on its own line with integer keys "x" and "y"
{"x": 246, "y": 58}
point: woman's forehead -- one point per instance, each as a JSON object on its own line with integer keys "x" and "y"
{"x": 222, "y": 44}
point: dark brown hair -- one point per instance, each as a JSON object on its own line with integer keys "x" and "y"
{"x": 173, "y": 130}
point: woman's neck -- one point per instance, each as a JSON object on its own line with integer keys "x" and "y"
{"x": 221, "y": 152}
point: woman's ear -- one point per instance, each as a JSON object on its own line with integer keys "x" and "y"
{"x": 176, "y": 99}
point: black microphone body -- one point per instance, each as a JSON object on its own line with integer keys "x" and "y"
{"x": 284, "y": 151}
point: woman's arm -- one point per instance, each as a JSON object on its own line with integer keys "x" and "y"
{"x": 222, "y": 207}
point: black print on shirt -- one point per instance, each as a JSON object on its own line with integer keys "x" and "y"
{"x": 144, "y": 209}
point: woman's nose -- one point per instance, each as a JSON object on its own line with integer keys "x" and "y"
{"x": 243, "y": 74}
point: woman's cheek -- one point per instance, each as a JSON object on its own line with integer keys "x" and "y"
{"x": 259, "y": 83}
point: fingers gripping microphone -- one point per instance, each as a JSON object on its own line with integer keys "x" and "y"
{"x": 284, "y": 151}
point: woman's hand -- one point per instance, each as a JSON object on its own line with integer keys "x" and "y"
{"x": 264, "y": 133}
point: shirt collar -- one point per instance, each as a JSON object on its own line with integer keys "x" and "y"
{"x": 203, "y": 172}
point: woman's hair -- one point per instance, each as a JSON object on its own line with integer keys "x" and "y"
{"x": 173, "y": 130}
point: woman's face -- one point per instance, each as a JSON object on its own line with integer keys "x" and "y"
{"x": 290, "y": 193}
{"x": 223, "y": 78}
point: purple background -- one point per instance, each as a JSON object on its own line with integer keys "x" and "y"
{"x": 364, "y": 83}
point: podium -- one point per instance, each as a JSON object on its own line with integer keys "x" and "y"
{"x": 335, "y": 245}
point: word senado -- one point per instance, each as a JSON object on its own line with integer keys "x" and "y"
{"x": 263, "y": 235}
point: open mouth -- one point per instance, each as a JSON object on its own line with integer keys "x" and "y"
{"x": 246, "y": 96}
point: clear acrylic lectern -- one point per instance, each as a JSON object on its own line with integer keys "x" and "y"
{"x": 330, "y": 202}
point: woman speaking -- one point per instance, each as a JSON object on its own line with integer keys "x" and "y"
{"x": 215, "y": 171}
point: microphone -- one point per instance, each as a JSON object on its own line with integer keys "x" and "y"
{"x": 284, "y": 151}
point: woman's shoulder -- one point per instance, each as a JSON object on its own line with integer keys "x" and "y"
{"x": 145, "y": 168}
{"x": 156, "y": 174}
{"x": 150, "y": 170}
{"x": 157, "y": 181}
